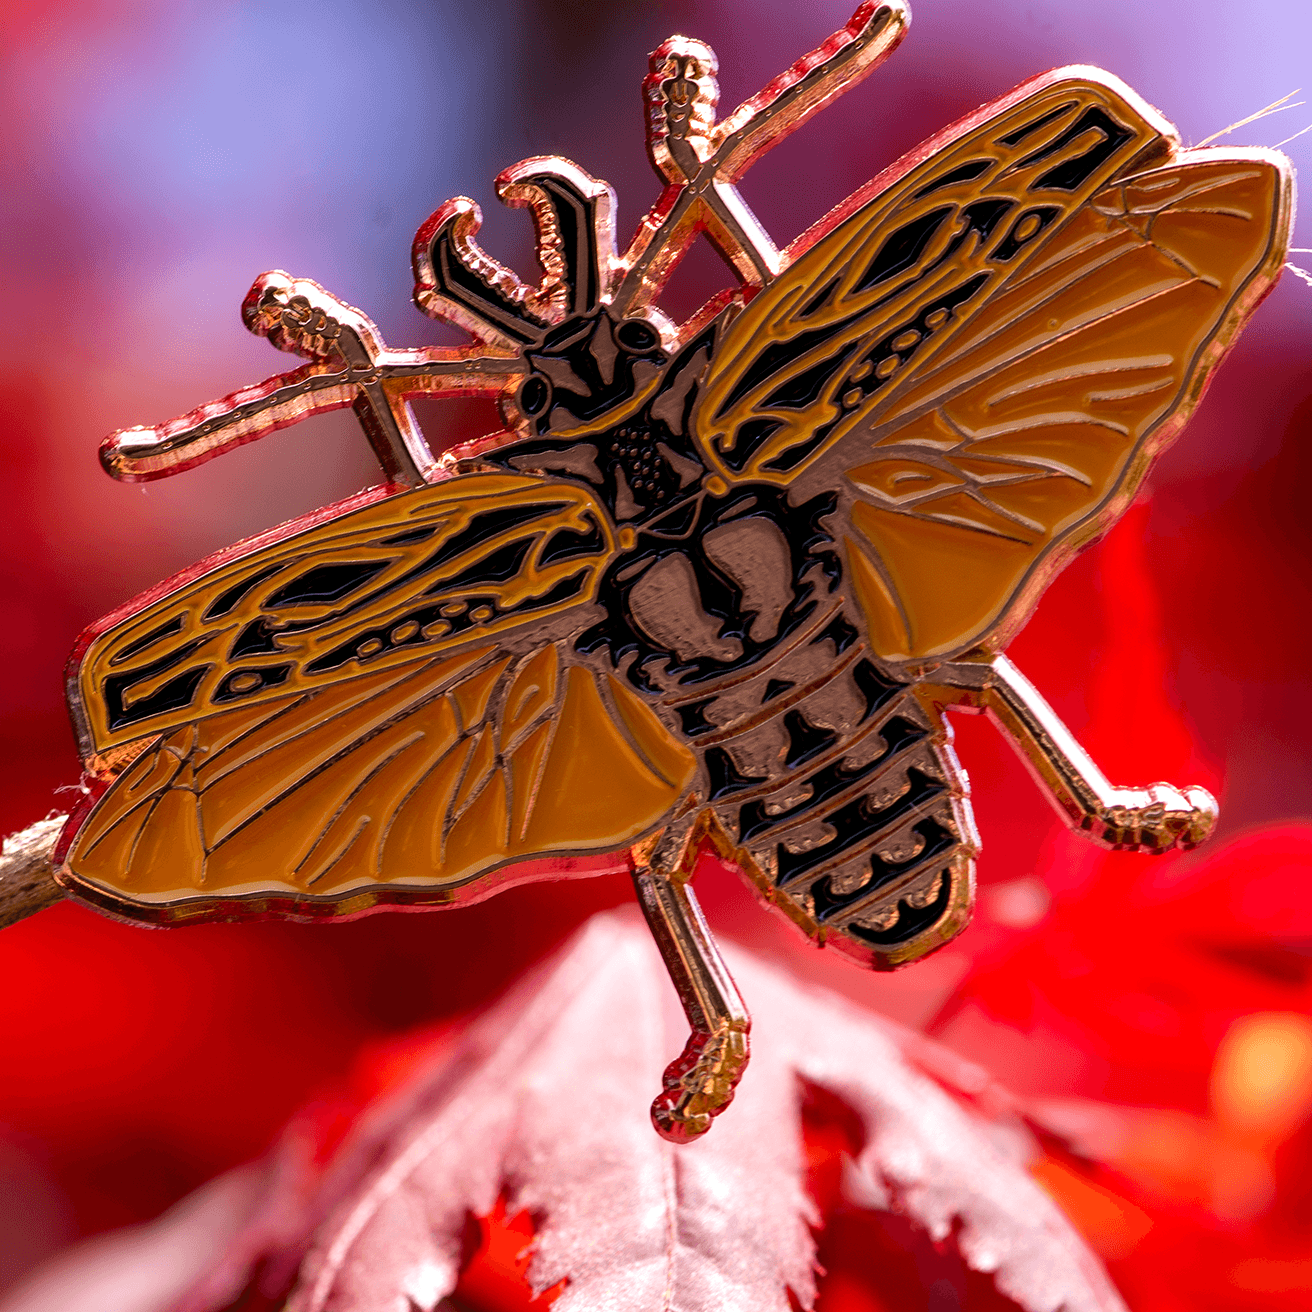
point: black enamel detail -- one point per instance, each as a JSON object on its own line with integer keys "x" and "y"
{"x": 902, "y": 249}
{"x": 325, "y": 583}
{"x": 779, "y": 355}
{"x": 166, "y": 630}
{"x": 984, "y": 216}
{"x": 936, "y": 841}
{"x": 498, "y": 566}
{"x": 463, "y": 287}
{"x": 725, "y": 777}
{"x": 565, "y": 544}
{"x": 238, "y": 684}
{"x": 258, "y": 638}
{"x": 1070, "y": 174}
{"x": 172, "y": 696}
{"x": 855, "y": 822}
{"x": 967, "y": 172}
{"x": 1028, "y": 129}
{"x": 1011, "y": 244}
{"x": 228, "y": 601}
{"x": 575, "y": 214}
{"x": 749, "y": 437}
{"x": 483, "y": 526}
{"x": 805, "y": 741}
{"x": 637, "y": 335}
{"x": 576, "y": 234}
{"x": 876, "y": 689}
{"x": 680, "y": 532}
{"x": 840, "y": 632}
{"x": 411, "y": 535}
{"x": 832, "y": 779}
{"x": 478, "y": 611}
{"x": 818, "y": 299}
{"x": 911, "y": 921}
{"x": 692, "y": 718}
{"x": 534, "y": 395}
{"x": 644, "y": 465}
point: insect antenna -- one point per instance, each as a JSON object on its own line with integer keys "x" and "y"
{"x": 573, "y": 215}
{"x": 456, "y": 280}
{"x": 349, "y": 364}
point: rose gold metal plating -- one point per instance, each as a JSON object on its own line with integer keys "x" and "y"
{"x": 795, "y": 733}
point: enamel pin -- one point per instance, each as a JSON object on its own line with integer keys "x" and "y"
{"x": 715, "y": 583}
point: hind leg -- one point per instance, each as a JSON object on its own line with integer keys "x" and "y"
{"x": 1154, "y": 819}
{"x": 699, "y": 1084}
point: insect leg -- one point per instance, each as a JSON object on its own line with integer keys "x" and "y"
{"x": 350, "y": 366}
{"x": 702, "y": 159}
{"x": 1153, "y": 819}
{"x": 699, "y": 1084}
{"x": 298, "y": 315}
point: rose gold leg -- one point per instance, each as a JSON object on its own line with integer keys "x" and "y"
{"x": 699, "y": 1084}
{"x": 1154, "y": 819}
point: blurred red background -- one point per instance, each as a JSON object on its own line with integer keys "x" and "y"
{"x": 161, "y": 153}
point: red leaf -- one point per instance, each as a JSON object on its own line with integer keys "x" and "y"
{"x": 521, "y": 1159}
{"x": 546, "y": 1105}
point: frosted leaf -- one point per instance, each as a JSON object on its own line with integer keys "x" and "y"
{"x": 547, "y": 1102}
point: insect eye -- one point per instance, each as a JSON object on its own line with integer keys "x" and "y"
{"x": 534, "y": 396}
{"x": 637, "y": 336}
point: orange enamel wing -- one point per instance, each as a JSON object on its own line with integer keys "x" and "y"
{"x": 386, "y": 700}
{"x": 984, "y": 349}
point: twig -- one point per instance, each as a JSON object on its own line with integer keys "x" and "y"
{"x": 27, "y": 882}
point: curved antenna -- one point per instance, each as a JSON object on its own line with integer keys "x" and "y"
{"x": 300, "y": 316}
{"x": 349, "y": 365}
{"x": 681, "y": 94}
{"x": 574, "y": 218}
{"x": 456, "y": 280}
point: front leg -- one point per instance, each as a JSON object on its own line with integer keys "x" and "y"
{"x": 1154, "y": 819}
{"x": 699, "y": 1084}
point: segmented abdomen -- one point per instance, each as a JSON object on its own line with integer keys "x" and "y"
{"x": 842, "y": 790}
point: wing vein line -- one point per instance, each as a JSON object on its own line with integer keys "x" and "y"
{"x": 880, "y": 567}
{"x": 976, "y": 380}
{"x": 463, "y": 672}
{"x": 379, "y": 766}
{"x": 301, "y": 780}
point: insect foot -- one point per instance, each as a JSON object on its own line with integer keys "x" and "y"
{"x": 1168, "y": 820}
{"x": 699, "y": 1084}
{"x": 296, "y": 315}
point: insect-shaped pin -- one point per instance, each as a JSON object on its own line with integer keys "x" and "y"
{"x": 715, "y": 583}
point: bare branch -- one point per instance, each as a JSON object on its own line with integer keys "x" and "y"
{"x": 27, "y": 881}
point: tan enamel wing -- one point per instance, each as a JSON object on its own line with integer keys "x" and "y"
{"x": 384, "y": 699}
{"x": 984, "y": 355}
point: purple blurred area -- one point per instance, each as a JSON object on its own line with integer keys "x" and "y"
{"x": 162, "y": 153}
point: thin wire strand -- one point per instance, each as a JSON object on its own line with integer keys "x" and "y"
{"x": 1275, "y": 107}
{"x": 1295, "y": 137}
